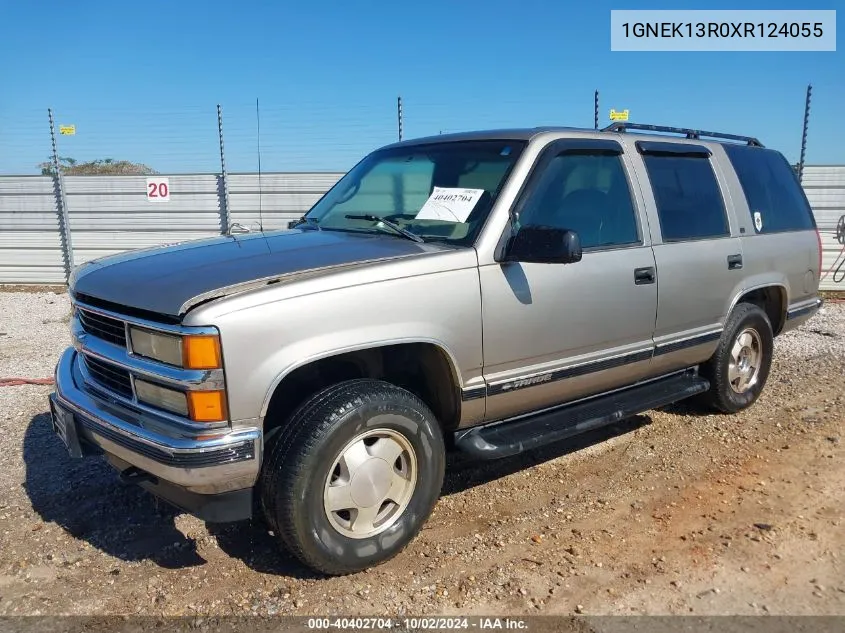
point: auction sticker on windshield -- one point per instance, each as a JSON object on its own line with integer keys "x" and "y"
{"x": 451, "y": 204}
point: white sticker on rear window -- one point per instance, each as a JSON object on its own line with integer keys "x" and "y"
{"x": 758, "y": 221}
{"x": 451, "y": 204}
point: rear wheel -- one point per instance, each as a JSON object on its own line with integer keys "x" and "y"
{"x": 740, "y": 366}
{"x": 354, "y": 475}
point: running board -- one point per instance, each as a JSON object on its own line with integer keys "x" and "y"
{"x": 502, "y": 439}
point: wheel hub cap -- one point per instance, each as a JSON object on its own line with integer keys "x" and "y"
{"x": 744, "y": 365}
{"x": 370, "y": 483}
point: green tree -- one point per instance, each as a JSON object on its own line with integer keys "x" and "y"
{"x": 100, "y": 167}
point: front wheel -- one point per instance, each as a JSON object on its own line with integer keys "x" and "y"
{"x": 354, "y": 475}
{"x": 739, "y": 368}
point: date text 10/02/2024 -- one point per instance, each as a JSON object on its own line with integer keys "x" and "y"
{"x": 417, "y": 624}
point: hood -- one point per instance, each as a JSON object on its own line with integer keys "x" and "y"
{"x": 170, "y": 280}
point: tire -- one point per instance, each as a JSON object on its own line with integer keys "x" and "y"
{"x": 354, "y": 428}
{"x": 747, "y": 338}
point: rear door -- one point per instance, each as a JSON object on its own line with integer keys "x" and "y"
{"x": 696, "y": 246}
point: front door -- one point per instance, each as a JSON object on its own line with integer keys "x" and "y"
{"x": 553, "y": 333}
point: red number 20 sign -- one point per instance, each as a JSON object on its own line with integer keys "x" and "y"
{"x": 158, "y": 190}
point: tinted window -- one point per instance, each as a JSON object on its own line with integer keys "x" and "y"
{"x": 771, "y": 188}
{"x": 689, "y": 203}
{"x": 585, "y": 193}
{"x": 394, "y": 183}
{"x": 485, "y": 175}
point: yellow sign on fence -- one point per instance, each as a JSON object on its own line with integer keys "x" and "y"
{"x": 619, "y": 116}
{"x": 67, "y": 130}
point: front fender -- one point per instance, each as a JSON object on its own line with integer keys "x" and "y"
{"x": 264, "y": 343}
{"x": 290, "y": 361}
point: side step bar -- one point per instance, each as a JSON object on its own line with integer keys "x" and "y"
{"x": 502, "y": 439}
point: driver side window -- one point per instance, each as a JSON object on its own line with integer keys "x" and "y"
{"x": 588, "y": 194}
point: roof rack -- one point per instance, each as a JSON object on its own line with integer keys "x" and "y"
{"x": 620, "y": 126}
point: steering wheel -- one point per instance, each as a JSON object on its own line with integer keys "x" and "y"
{"x": 840, "y": 230}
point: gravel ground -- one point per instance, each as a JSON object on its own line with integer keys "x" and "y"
{"x": 33, "y": 332}
{"x": 673, "y": 512}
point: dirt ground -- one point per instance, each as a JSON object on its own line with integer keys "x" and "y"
{"x": 674, "y": 512}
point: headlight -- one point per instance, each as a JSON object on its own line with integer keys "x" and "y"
{"x": 190, "y": 352}
{"x": 162, "y": 397}
{"x": 155, "y": 345}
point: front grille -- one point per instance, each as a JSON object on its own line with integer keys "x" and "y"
{"x": 109, "y": 376}
{"x": 103, "y": 327}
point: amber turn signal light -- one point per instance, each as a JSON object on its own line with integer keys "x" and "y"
{"x": 207, "y": 406}
{"x": 201, "y": 352}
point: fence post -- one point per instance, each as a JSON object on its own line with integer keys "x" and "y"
{"x": 225, "y": 216}
{"x": 804, "y": 133}
{"x": 596, "y": 111}
{"x": 59, "y": 190}
{"x": 399, "y": 115}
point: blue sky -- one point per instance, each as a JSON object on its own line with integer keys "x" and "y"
{"x": 141, "y": 80}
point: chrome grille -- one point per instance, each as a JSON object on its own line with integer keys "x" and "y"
{"x": 103, "y": 327}
{"x": 109, "y": 376}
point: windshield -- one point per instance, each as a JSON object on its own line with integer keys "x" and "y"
{"x": 441, "y": 191}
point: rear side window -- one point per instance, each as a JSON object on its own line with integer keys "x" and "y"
{"x": 771, "y": 189}
{"x": 689, "y": 203}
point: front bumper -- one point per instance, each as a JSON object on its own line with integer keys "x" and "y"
{"x": 211, "y": 478}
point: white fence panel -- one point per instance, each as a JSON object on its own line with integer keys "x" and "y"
{"x": 110, "y": 214}
{"x": 825, "y": 189}
{"x": 277, "y": 199}
{"x": 30, "y": 240}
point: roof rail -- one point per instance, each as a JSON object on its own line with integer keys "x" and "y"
{"x": 621, "y": 126}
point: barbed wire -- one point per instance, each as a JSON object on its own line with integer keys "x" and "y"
{"x": 296, "y": 135}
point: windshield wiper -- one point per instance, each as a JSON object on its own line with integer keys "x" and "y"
{"x": 374, "y": 218}
{"x": 306, "y": 220}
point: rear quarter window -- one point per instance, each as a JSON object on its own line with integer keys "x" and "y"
{"x": 771, "y": 189}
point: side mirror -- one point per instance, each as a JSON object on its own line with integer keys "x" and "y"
{"x": 544, "y": 245}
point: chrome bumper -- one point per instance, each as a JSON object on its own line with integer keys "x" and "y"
{"x": 222, "y": 464}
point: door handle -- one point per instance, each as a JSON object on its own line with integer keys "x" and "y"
{"x": 734, "y": 262}
{"x": 644, "y": 276}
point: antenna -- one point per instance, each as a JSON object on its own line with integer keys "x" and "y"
{"x": 258, "y": 141}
